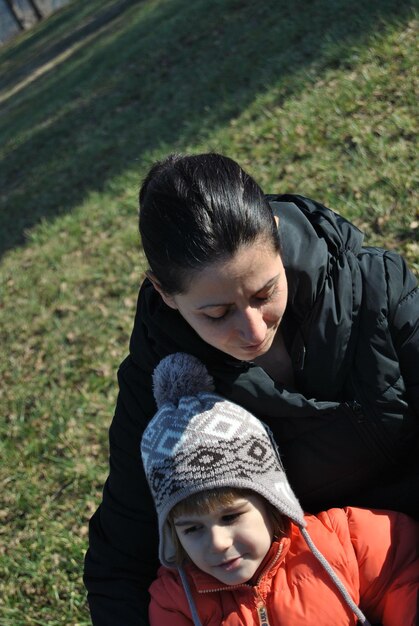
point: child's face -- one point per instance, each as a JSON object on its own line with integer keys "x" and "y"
{"x": 229, "y": 543}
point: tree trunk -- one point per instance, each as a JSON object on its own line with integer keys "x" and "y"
{"x": 35, "y": 9}
{"x": 16, "y": 17}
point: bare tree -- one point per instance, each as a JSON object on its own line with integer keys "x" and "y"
{"x": 16, "y": 17}
{"x": 35, "y": 8}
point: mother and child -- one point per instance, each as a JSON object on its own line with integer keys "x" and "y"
{"x": 304, "y": 328}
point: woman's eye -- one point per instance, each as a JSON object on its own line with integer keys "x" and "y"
{"x": 190, "y": 529}
{"x": 219, "y": 318}
{"x": 266, "y": 297}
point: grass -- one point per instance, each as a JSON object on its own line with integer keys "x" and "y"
{"x": 316, "y": 98}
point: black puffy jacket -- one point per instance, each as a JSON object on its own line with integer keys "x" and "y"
{"x": 348, "y": 432}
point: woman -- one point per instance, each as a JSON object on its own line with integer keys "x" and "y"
{"x": 295, "y": 321}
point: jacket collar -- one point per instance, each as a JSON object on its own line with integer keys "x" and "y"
{"x": 312, "y": 237}
{"x": 204, "y": 583}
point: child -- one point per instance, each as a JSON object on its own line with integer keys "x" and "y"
{"x": 236, "y": 548}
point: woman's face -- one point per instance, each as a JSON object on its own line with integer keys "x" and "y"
{"x": 236, "y": 305}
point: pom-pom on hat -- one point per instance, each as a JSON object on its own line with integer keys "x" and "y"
{"x": 198, "y": 440}
{"x": 180, "y": 375}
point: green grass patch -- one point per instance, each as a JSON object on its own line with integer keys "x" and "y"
{"x": 317, "y": 98}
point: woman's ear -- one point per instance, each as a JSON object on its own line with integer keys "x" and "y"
{"x": 169, "y": 300}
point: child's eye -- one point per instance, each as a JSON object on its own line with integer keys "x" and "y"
{"x": 230, "y": 518}
{"x": 190, "y": 529}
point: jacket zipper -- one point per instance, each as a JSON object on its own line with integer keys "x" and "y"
{"x": 261, "y": 607}
{"x": 271, "y": 564}
{"x": 262, "y": 613}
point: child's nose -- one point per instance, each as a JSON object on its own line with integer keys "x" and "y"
{"x": 220, "y": 539}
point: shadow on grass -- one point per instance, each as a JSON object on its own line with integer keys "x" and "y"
{"x": 58, "y": 34}
{"x": 136, "y": 78}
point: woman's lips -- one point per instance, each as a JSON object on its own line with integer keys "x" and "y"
{"x": 254, "y": 347}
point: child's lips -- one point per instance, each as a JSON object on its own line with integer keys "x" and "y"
{"x": 230, "y": 564}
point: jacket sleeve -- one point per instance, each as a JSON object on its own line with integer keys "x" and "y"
{"x": 403, "y": 293}
{"x": 387, "y": 550}
{"x": 122, "y": 558}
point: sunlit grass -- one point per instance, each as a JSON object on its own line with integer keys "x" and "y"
{"x": 334, "y": 120}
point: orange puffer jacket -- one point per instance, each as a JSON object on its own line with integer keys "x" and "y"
{"x": 374, "y": 553}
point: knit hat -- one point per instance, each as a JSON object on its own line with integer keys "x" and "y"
{"x": 198, "y": 440}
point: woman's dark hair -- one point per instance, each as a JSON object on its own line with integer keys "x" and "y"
{"x": 196, "y": 210}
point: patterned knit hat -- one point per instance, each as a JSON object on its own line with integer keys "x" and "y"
{"x": 198, "y": 440}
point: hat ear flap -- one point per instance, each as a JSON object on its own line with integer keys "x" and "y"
{"x": 167, "y": 546}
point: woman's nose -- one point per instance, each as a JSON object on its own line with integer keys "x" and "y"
{"x": 220, "y": 539}
{"x": 252, "y": 326}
